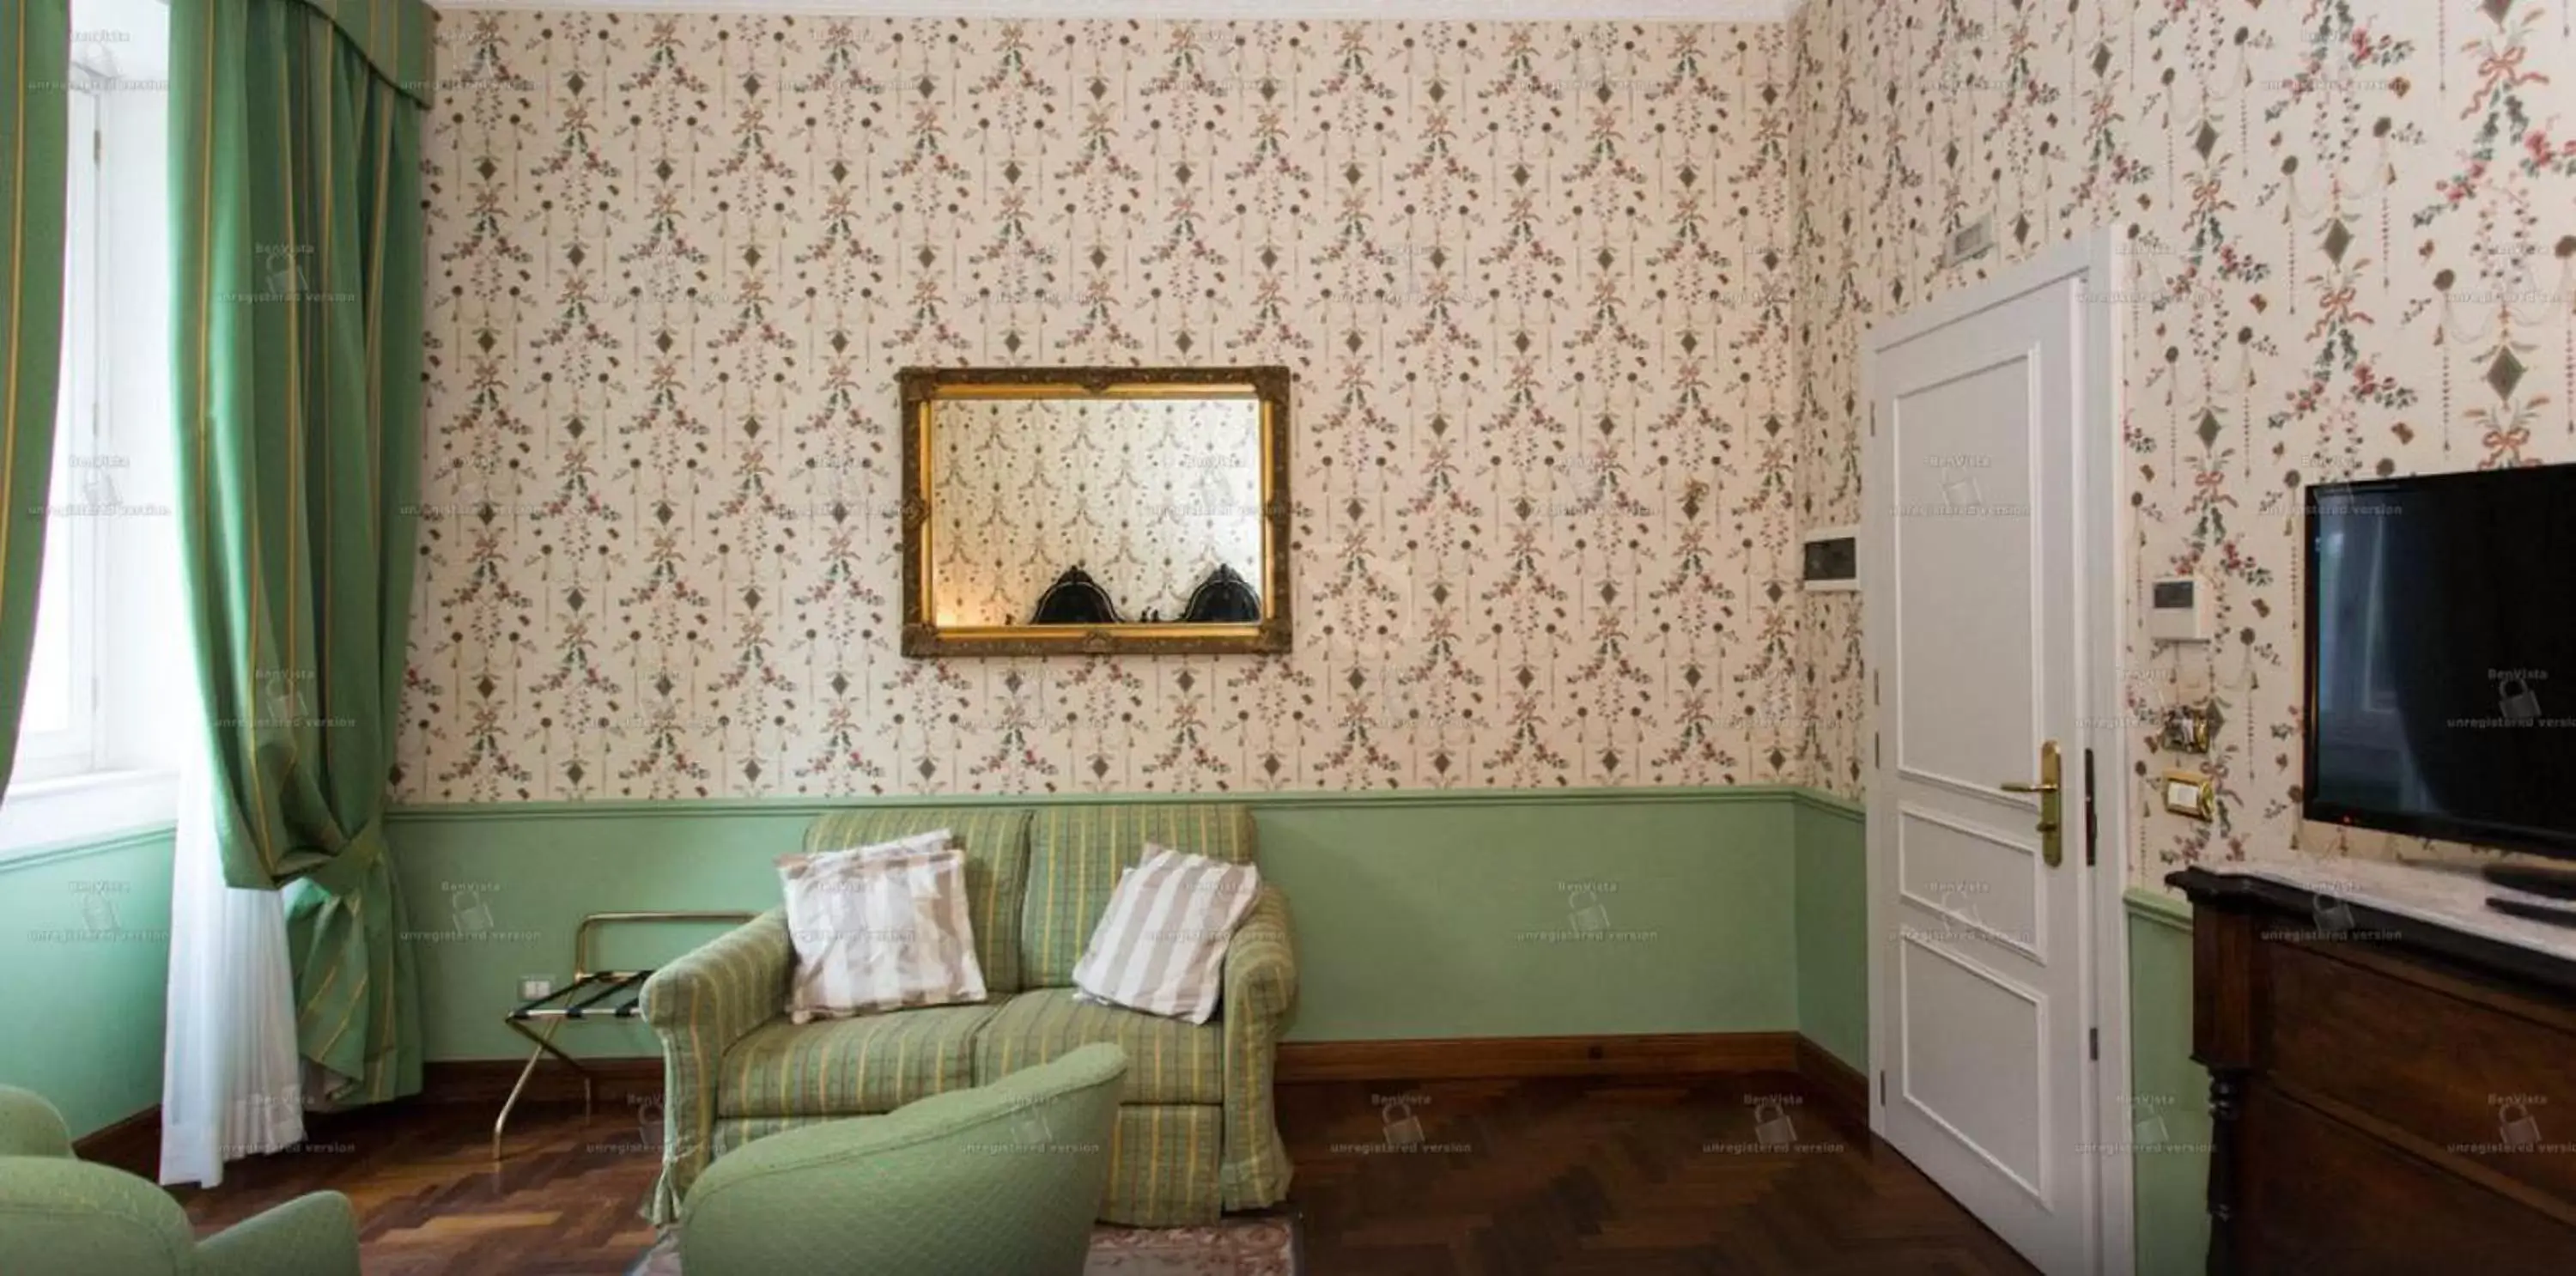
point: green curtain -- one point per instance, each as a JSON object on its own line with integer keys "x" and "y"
{"x": 35, "y": 80}
{"x": 295, "y": 186}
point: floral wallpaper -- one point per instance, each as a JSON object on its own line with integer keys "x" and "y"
{"x": 2351, "y": 228}
{"x": 1534, "y": 282}
{"x": 1147, "y": 496}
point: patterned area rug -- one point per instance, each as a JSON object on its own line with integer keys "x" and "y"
{"x": 1253, "y": 1245}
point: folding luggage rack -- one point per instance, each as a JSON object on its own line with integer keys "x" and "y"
{"x": 593, "y": 996}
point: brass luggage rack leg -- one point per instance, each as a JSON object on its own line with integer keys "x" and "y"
{"x": 560, "y": 1007}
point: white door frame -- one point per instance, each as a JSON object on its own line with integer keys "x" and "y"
{"x": 2101, "y": 726}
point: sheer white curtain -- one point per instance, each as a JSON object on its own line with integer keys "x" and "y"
{"x": 231, "y": 1084}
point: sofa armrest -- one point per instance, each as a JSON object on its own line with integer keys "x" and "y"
{"x": 724, "y": 988}
{"x": 314, "y": 1235}
{"x": 998, "y": 1178}
{"x": 29, "y": 1126}
{"x": 700, "y": 1005}
{"x": 62, "y": 1215}
{"x": 1261, "y": 964}
{"x": 1260, "y": 993}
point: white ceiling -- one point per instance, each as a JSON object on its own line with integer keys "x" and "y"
{"x": 1480, "y": 10}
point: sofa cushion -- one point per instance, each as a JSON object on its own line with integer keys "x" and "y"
{"x": 1161, "y": 946}
{"x": 1075, "y": 853}
{"x": 996, "y": 843}
{"x": 851, "y": 1067}
{"x": 1168, "y": 1060}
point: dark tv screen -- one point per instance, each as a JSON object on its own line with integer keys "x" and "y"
{"x": 2441, "y": 657}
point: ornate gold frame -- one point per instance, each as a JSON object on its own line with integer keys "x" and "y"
{"x": 923, "y": 388}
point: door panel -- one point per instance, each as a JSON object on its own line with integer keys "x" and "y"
{"x": 1978, "y": 875}
{"x": 1962, "y": 469}
{"x": 1983, "y": 941}
{"x": 1975, "y": 1070}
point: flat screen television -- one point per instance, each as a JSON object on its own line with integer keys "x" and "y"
{"x": 2441, "y": 657}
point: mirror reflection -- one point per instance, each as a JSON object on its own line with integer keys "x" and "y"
{"x": 1095, "y": 511}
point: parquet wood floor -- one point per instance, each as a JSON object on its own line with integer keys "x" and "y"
{"x": 1583, "y": 1177}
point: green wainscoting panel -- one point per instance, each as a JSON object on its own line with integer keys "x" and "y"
{"x": 84, "y": 959}
{"x": 1418, "y": 914}
{"x": 1566, "y": 919}
{"x": 2172, "y": 1105}
{"x": 1833, "y": 927}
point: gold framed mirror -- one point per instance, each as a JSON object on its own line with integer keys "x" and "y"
{"x": 1054, "y": 511}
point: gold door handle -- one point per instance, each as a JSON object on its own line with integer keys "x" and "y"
{"x": 2049, "y": 788}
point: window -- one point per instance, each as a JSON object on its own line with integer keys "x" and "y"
{"x": 59, "y": 732}
{"x": 96, "y": 742}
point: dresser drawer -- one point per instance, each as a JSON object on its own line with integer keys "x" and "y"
{"x": 2322, "y": 1198}
{"x": 2489, "y": 1081}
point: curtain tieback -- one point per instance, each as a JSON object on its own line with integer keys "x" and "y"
{"x": 345, "y": 873}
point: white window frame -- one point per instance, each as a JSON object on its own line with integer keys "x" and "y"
{"x": 115, "y": 774}
{"x": 72, "y": 528}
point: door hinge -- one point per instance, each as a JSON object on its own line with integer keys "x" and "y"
{"x": 2093, "y": 1043}
{"x": 97, "y": 145}
{"x": 1874, "y": 759}
{"x": 1882, "y": 1089}
{"x": 2092, "y": 825}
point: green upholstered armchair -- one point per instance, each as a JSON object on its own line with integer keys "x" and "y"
{"x": 1001, "y": 1178}
{"x": 65, "y": 1217}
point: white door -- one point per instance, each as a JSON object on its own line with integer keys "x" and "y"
{"x": 1975, "y": 614}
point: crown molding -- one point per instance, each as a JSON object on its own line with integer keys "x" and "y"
{"x": 1207, "y": 10}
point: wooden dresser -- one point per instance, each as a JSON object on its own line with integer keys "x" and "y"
{"x": 2393, "y": 1087}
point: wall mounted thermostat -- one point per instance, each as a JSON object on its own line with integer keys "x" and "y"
{"x": 1831, "y": 562}
{"x": 2178, "y": 610}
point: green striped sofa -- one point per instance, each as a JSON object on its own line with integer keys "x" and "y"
{"x": 1195, "y": 1134}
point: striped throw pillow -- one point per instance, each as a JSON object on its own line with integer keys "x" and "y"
{"x": 879, "y": 928}
{"x": 1160, "y": 947}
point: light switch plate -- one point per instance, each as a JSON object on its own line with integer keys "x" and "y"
{"x": 532, "y": 987}
{"x": 2191, "y": 793}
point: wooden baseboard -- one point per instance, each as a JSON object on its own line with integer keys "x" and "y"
{"x": 1669, "y": 1054}
{"x": 132, "y": 1145}
{"x": 1837, "y": 1084}
{"x": 1429, "y": 1059}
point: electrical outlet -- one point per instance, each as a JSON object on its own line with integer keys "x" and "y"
{"x": 535, "y": 987}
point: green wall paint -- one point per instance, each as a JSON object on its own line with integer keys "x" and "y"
{"x": 84, "y": 957}
{"x": 2172, "y": 1107}
{"x": 1833, "y": 927}
{"x": 1471, "y": 922}
{"x": 1418, "y": 914}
